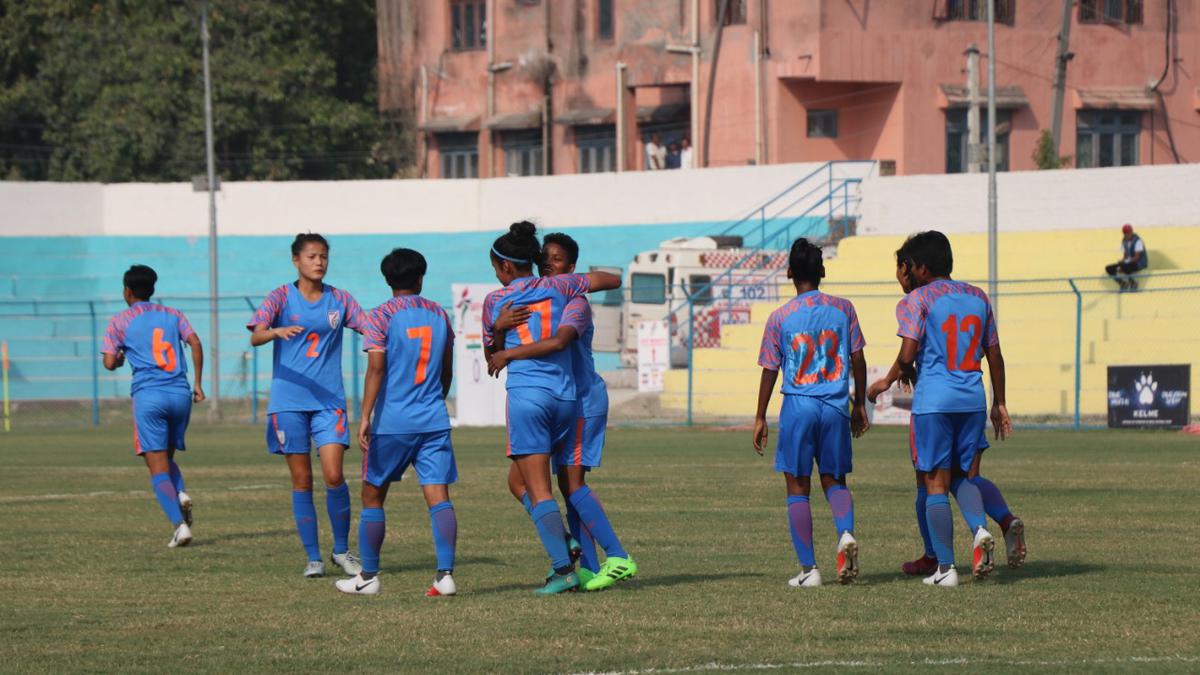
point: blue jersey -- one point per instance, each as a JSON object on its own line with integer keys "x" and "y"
{"x": 811, "y": 339}
{"x": 307, "y": 369}
{"x": 415, "y": 334}
{"x": 953, "y": 325}
{"x": 590, "y": 390}
{"x": 151, "y": 338}
{"x": 546, "y": 298}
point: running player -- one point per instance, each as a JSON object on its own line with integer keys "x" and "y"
{"x": 586, "y": 519}
{"x": 542, "y": 409}
{"x": 994, "y": 503}
{"x": 946, "y": 328}
{"x": 409, "y": 345}
{"x": 150, "y": 335}
{"x": 812, "y": 338}
{"x": 308, "y": 402}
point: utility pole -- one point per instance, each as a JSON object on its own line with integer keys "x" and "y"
{"x": 214, "y": 321}
{"x": 972, "y": 158}
{"x": 993, "y": 262}
{"x": 1060, "y": 74}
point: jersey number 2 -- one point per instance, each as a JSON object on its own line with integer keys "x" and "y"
{"x": 313, "y": 341}
{"x": 831, "y": 370}
{"x": 542, "y": 309}
{"x": 425, "y": 335}
{"x": 951, "y": 327}
{"x": 164, "y": 352}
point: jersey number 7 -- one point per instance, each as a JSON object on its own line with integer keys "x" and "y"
{"x": 425, "y": 335}
{"x": 542, "y": 309}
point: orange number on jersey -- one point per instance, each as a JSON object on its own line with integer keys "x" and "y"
{"x": 313, "y": 340}
{"x": 810, "y": 349}
{"x": 542, "y": 309}
{"x": 829, "y": 340}
{"x": 832, "y": 367}
{"x": 425, "y": 335}
{"x": 164, "y": 352}
{"x": 951, "y": 328}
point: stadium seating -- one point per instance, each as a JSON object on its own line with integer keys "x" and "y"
{"x": 1036, "y": 313}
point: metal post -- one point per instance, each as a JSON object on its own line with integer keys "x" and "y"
{"x": 214, "y": 333}
{"x": 691, "y": 343}
{"x": 254, "y": 385}
{"x": 829, "y": 190}
{"x": 1078, "y": 346}
{"x": 972, "y": 158}
{"x": 1060, "y": 75}
{"x": 95, "y": 367}
{"x": 621, "y": 130}
{"x": 993, "y": 263}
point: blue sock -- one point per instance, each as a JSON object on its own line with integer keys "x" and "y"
{"x": 588, "y": 559}
{"x": 800, "y": 523}
{"x": 923, "y": 522}
{"x": 306, "y": 522}
{"x": 970, "y": 502}
{"x": 941, "y": 527}
{"x": 548, "y": 520}
{"x": 177, "y": 478}
{"x": 595, "y": 521}
{"x": 527, "y": 503}
{"x": 337, "y": 503}
{"x": 993, "y": 501}
{"x": 167, "y": 497}
{"x": 842, "y": 505}
{"x": 445, "y": 534}
{"x": 372, "y": 526}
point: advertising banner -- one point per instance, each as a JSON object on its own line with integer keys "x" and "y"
{"x": 653, "y": 354}
{"x": 479, "y": 399}
{"x": 1149, "y": 397}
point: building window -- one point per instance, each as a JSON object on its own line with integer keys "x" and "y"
{"x": 822, "y": 124}
{"x": 522, "y": 152}
{"x": 597, "y": 147}
{"x": 468, "y": 24}
{"x": 976, "y": 10}
{"x": 735, "y": 12}
{"x": 1110, "y": 11}
{"x": 1107, "y": 138}
{"x": 957, "y": 152}
{"x": 648, "y": 289}
{"x": 459, "y": 153}
{"x": 604, "y": 19}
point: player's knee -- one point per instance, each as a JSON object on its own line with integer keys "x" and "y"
{"x": 334, "y": 479}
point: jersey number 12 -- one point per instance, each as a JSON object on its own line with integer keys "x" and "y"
{"x": 951, "y": 328}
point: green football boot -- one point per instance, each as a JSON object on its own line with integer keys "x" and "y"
{"x": 559, "y": 583}
{"x": 585, "y": 575}
{"x": 613, "y": 570}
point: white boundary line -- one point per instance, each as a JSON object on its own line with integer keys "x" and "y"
{"x": 726, "y": 667}
{"x": 20, "y": 499}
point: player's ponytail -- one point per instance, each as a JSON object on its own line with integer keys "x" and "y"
{"x": 806, "y": 262}
{"x": 519, "y": 246}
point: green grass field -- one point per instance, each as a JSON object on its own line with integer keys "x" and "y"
{"x": 88, "y": 583}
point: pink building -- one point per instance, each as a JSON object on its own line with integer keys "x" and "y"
{"x": 525, "y": 87}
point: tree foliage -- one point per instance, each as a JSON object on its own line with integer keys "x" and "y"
{"x": 1045, "y": 156}
{"x": 112, "y": 91}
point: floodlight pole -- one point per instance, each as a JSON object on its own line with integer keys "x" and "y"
{"x": 993, "y": 266}
{"x": 214, "y": 322}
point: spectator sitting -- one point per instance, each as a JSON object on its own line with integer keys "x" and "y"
{"x": 1133, "y": 260}
{"x": 672, "y": 156}
{"x": 656, "y": 154}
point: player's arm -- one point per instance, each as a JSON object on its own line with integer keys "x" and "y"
{"x": 1000, "y": 420}
{"x": 447, "y": 367}
{"x": 766, "y": 385}
{"x": 907, "y": 359}
{"x": 602, "y": 281}
{"x": 372, "y": 381}
{"x": 560, "y": 341}
{"x": 193, "y": 342}
{"x": 263, "y": 334}
{"x": 113, "y": 361}
{"x": 858, "y": 414}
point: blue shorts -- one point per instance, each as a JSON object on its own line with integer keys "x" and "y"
{"x": 296, "y": 432}
{"x": 538, "y": 423}
{"x": 160, "y": 420}
{"x": 947, "y": 440}
{"x": 585, "y": 445}
{"x": 811, "y": 430}
{"x": 390, "y": 454}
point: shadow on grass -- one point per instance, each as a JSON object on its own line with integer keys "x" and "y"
{"x": 637, "y": 582}
{"x": 1044, "y": 569}
{"x": 410, "y": 564}
{"x": 240, "y": 536}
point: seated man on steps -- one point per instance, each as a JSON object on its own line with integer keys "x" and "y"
{"x": 1133, "y": 260}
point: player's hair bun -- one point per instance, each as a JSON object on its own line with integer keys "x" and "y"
{"x": 523, "y": 230}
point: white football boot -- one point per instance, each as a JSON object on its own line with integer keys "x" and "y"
{"x": 314, "y": 569}
{"x": 357, "y": 586}
{"x": 982, "y": 561}
{"x": 349, "y": 564}
{"x": 947, "y": 579}
{"x": 182, "y": 536}
{"x": 1014, "y": 543}
{"x": 185, "y": 505}
{"x": 443, "y": 586}
{"x": 809, "y": 579}
{"x": 847, "y": 559}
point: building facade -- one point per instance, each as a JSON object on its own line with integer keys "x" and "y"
{"x": 532, "y": 87}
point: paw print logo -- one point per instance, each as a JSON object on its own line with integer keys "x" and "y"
{"x": 1146, "y": 387}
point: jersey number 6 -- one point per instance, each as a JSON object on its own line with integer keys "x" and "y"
{"x": 830, "y": 370}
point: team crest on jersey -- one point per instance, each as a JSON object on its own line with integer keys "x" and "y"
{"x": 281, "y": 437}
{"x": 334, "y": 316}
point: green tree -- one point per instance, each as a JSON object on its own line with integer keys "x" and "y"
{"x": 112, "y": 90}
{"x": 1044, "y": 155}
